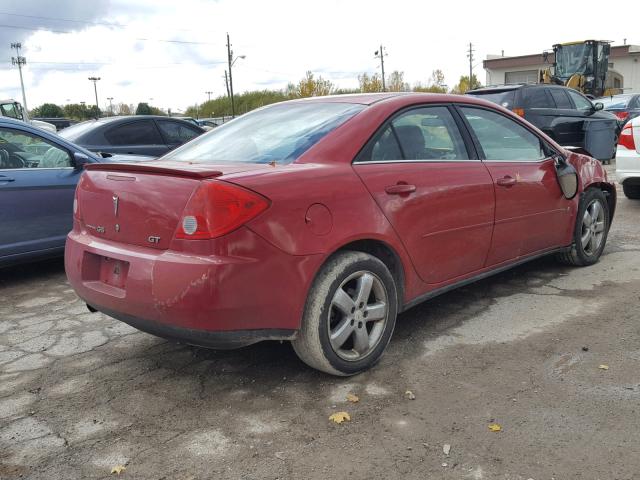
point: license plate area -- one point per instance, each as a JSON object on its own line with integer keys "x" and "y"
{"x": 113, "y": 272}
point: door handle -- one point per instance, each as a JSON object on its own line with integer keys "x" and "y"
{"x": 4, "y": 179}
{"x": 399, "y": 189}
{"x": 507, "y": 181}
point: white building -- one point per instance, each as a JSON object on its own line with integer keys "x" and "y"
{"x": 624, "y": 59}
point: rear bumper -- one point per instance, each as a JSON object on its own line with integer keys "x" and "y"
{"x": 247, "y": 291}
{"x": 627, "y": 165}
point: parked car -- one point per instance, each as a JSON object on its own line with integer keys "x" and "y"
{"x": 208, "y": 123}
{"x": 625, "y": 106}
{"x": 628, "y": 159}
{"x": 134, "y": 135}
{"x": 58, "y": 122}
{"x": 38, "y": 175}
{"x": 318, "y": 220}
{"x": 11, "y": 109}
{"x": 567, "y": 116}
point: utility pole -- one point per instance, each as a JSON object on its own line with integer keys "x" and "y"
{"x": 380, "y": 54}
{"x": 20, "y": 60}
{"x": 230, "y": 58}
{"x": 110, "y": 105}
{"x": 470, "y": 55}
{"x": 95, "y": 90}
{"x": 226, "y": 83}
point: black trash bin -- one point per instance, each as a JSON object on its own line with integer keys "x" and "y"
{"x": 600, "y": 138}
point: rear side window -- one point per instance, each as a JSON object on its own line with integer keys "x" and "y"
{"x": 501, "y": 138}
{"x": 428, "y": 133}
{"x": 560, "y": 97}
{"x": 537, "y": 98}
{"x": 142, "y": 132}
{"x": 177, "y": 132}
{"x": 581, "y": 102}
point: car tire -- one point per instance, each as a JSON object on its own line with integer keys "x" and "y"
{"x": 591, "y": 230}
{"x": 342, "y": 332}
{"x": 632, "y": 192}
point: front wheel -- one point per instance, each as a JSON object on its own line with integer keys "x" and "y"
{"x": 591, "y": 230}
{"x": 349, "y": 316}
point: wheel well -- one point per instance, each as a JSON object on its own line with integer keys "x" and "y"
{"x": 386, "y": 255}
{"x": 610, "y": 195}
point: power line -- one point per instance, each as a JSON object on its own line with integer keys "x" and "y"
{"x": 43, "y": 29}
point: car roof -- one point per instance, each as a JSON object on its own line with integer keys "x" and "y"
{"x": 122, "y": 118}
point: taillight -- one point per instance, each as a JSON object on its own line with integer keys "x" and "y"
{"x": 626, "y": 137}
{"x": 519, "y": 111}
{"x": 218, "y": 208}
{"x": 622, "y": 115}
{"x": 76, "y": 206}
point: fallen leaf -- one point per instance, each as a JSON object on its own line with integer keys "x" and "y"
{"x": 446, "y": 448}
{"x": 495, "y": 427}
{"x": 118, "y": 469}
{"x": 604, "y": 367}
{"x": 340, "y": 417}
{"x": 352, "y": 398}
{"x": 409, "y": 395}
{"x": 280, "y": 456}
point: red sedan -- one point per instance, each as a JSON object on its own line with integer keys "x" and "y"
{"x": 319, "y": 220}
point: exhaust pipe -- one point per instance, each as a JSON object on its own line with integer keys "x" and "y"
{"x": 91, "y": 309}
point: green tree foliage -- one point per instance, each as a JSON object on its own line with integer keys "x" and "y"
{"x": 463, "y": 84}
{"x": 123, "y": 109}
{"x": 78, "y": 111}
{"x": 245, "y": 102}
{"x": 370, "y": 83}
{"x": 48, "y": 110}
{"x": 143, "y": 108}
{"x": 396, "y": 83}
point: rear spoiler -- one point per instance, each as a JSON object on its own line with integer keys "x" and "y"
{"x": 165, "y": 168}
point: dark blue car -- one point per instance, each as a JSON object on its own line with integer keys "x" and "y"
{"x": 38, "y": 176}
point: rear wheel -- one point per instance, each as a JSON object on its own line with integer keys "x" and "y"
{"x": 349, "y": 316}
{"x": 591, "y": 230}
{"x": 631, "y": 191}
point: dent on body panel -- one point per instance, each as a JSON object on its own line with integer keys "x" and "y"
{"x": 589, "y": 170}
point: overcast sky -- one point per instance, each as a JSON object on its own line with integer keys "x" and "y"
{"x": 174, "y": 51}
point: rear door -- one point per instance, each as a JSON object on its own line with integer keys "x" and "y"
{"x": 539, "y": 108}
{"x": 436, "y": 194}
{"x": 37, "y": 183}
{"x": 137, "y": 137}
{"x": 531, "y": 214}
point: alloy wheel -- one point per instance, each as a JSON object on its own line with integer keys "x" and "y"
{"x": 593, "y": 227}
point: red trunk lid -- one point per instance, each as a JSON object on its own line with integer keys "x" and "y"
{"x": 141, "y": 204}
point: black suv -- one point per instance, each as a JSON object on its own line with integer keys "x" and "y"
{"x": 564, "y": 114}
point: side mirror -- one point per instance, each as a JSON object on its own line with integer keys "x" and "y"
{"x": 567, "y": 177}
{"x": 79, "y": 159}
{"x": 598, "y": 106}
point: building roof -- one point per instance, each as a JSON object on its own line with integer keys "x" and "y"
{"x": 538, "y": 58}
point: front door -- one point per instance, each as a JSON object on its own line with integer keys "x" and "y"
{"x": 532, "y": 214}
{"x": 437, "y": 197}
{"x": 37, "y": 184}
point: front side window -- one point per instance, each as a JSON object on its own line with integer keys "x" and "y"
{"x": 278, "y": 133}
{"x": 501, "y": 138}
{"x": 427, "y": 133}
{"x": 11, "y": 110}
{"x": 142, "y": 132}
{"x": 20, "y": 149}
{"x": 177, "y": 132}
{"x": 581, "y": 103}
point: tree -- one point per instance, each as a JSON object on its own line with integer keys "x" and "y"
{"x": 371, "y": 83}
{"x": 143, "y": 108}
{"x": 123, "y": 109}
{"x": 310, "y": 86}
{"x": 78, "y": 111}
{"x": 434, "y": 85}
{"x": 48, "y": 110}
{"x": 463, "y": 84}
{"x": 396, "y": 83}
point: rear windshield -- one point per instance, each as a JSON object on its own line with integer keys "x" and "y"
{"x": 617, "y": 101}
{"x": 74, "y": 132}
{"x": 504, "y": 98}
{"x": 277, "y": 133}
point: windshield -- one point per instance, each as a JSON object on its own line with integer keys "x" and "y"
{"x": 74, "y": 132}
{"x": 278, "y": 133}
{"x": 571, "y": 59}
{"x": 504, "y": 98}
{"x": 11, "y": 110}
{"x": 617, "y": 101}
